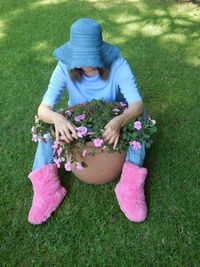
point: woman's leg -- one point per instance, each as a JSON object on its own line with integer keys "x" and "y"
{"x": 130, "y": 188}
{"x": 48, "y": 192}
{"x": 43, "y": 155}
{"x": 136, "y": 156}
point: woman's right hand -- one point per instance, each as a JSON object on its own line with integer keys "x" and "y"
{"x": 64, "y": 128}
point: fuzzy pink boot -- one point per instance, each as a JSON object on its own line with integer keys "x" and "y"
{"x": 130, "y": 192}
{"x": 48, "y": 193}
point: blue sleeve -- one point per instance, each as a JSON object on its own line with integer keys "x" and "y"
{"x": 56, "y": 86}
{"x": 126, "y": 82}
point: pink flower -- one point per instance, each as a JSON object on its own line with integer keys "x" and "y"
{"x": 122, "y": 104}
{"x": 98, "y": 142}
{"x": 79, "y": 166}
{"x": 84, "y": 153}
{"x": 57, "y": 162}
{"x": 55, "y": 144}
{"x": 68, "y": 166}
{"x": 81, "y": 131}
{"x": 59, "y": 151}
{"x": 82, "y": 117}
{"x": 79, "y": 118}
{"x": 34, "y": 138}
{"x": 76, "y": 118}
{"x": 138, "y": 125}
{"x": 136, "y": 145}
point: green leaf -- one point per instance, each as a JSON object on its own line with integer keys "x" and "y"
{"x": 84, "y": 164}
{"x": 147, "y": 145}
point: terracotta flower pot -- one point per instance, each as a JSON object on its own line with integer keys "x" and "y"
{"x": 102, "y": 168}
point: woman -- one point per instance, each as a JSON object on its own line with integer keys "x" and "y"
{"x": 89, "y": 68}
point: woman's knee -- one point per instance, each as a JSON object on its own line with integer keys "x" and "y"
{"x": 136, "y": 156}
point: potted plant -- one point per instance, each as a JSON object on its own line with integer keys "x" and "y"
{"x": 90, "y": 158}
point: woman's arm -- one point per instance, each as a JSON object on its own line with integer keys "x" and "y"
{"x": 128, "y": 87}
{"x": 65, "y": 130}
{"x": 134, "y": 110}
{"x": 47, "y": 114}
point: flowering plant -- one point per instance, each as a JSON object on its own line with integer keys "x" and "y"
{"x": 90, "y": 119}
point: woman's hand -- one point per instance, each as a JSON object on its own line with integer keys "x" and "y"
{"x": 112, "y": 131}
{"x": 111, "y": 134}
{"x": 64, "y": 128}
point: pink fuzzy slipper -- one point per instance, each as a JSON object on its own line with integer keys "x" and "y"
{"x": 130, "y": 192}
{"x": 48, "y": 193}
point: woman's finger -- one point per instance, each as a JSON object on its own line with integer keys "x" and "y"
{"x": 68, "y": 135}
{"x": 65, "y": 140}
{"x": 104, "y": 135}
{"x": 57, "y": 135}
{"x": 64, "y": 136}
{"x": 116, "y": 142}
{"x": 72, "y": 129}
{"x": 109, "y": 136}
{"x": 112, "y": 139}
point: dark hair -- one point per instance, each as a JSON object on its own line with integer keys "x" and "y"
{"x": 76, "y": 74}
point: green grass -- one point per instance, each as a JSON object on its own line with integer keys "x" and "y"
{"x": 160, "y": 40}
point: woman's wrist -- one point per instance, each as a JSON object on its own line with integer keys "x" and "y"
{"x": 124, "y": 117}
{"x": 134, "y": 110}
{"x": 56, "y": 116}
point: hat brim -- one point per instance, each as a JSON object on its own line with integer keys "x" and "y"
{"x": 101, "y": 57}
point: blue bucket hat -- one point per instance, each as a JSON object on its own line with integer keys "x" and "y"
{"x": 86, "y": 47}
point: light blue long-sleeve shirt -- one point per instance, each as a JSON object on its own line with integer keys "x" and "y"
{"x": 120, "y": 86}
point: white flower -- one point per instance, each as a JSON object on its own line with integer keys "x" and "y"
{"x": 115, "y": 110}
{"x": 46, "y": 136}
{"x": 36, "y": 119}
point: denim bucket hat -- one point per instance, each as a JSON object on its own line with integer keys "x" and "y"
{"x": 86, "y": 47}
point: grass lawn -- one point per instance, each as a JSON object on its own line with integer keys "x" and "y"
{"x": 160, "y": 40}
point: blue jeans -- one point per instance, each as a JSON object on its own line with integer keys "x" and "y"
{"x": 44, "y": 154}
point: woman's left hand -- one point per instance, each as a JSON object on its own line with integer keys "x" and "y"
{"x": 112, "y": 131}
